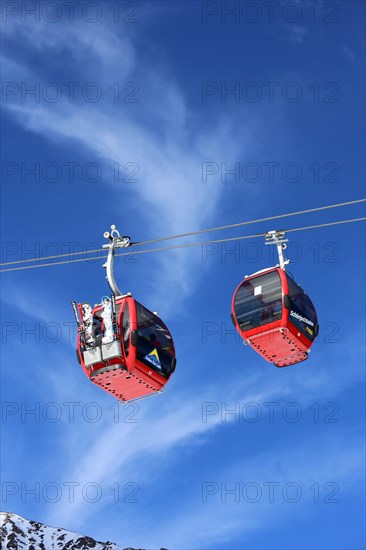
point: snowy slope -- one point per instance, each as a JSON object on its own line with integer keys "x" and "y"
{"x": 17, "y": 533}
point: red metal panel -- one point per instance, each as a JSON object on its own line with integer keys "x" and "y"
{"x": 124, "y": 385}
{"x": 279, "y": 346}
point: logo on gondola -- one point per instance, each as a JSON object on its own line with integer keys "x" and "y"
{"x": 301, "y": 318}
{"x": 153, "y": 358}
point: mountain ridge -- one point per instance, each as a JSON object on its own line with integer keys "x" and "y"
{"x": 18, "y": 533}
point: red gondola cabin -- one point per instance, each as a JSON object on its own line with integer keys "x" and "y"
{"x": 275, "y": 317}
{"x": 140, "y": 359}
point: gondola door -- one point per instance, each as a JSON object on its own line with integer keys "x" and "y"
{"x": 127, "y": 332}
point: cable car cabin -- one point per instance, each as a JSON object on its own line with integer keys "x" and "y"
{"x": 275, "y": 317}
{"x": 140, "y": 359}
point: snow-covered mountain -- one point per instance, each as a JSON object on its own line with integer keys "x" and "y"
{"x": 17, "y": 533}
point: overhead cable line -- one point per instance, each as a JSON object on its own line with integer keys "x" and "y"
{"x": 186, "y": 245}
{"x": 239, "y": 224}
{"x": 190, "y": 234}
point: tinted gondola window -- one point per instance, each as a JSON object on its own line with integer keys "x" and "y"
{"x": 155, "y": 345}
{"x": 259, "y": 301}
{"x": 302, "y": 312}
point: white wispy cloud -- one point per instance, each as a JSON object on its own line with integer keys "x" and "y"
{"x": 156, "y": 133}
{"x": 73, "y": 44}
{"x": 140, "y": 451}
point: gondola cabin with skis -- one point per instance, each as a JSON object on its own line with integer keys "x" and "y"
{"x": 273, "y": 314}
{"x": 123, "y": 347}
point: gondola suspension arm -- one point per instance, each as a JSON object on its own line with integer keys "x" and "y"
{"x": 115, "y": 241}
{"x": 277, "y": 238}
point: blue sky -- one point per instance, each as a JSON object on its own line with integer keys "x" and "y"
{"x": 298, "y": 108}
